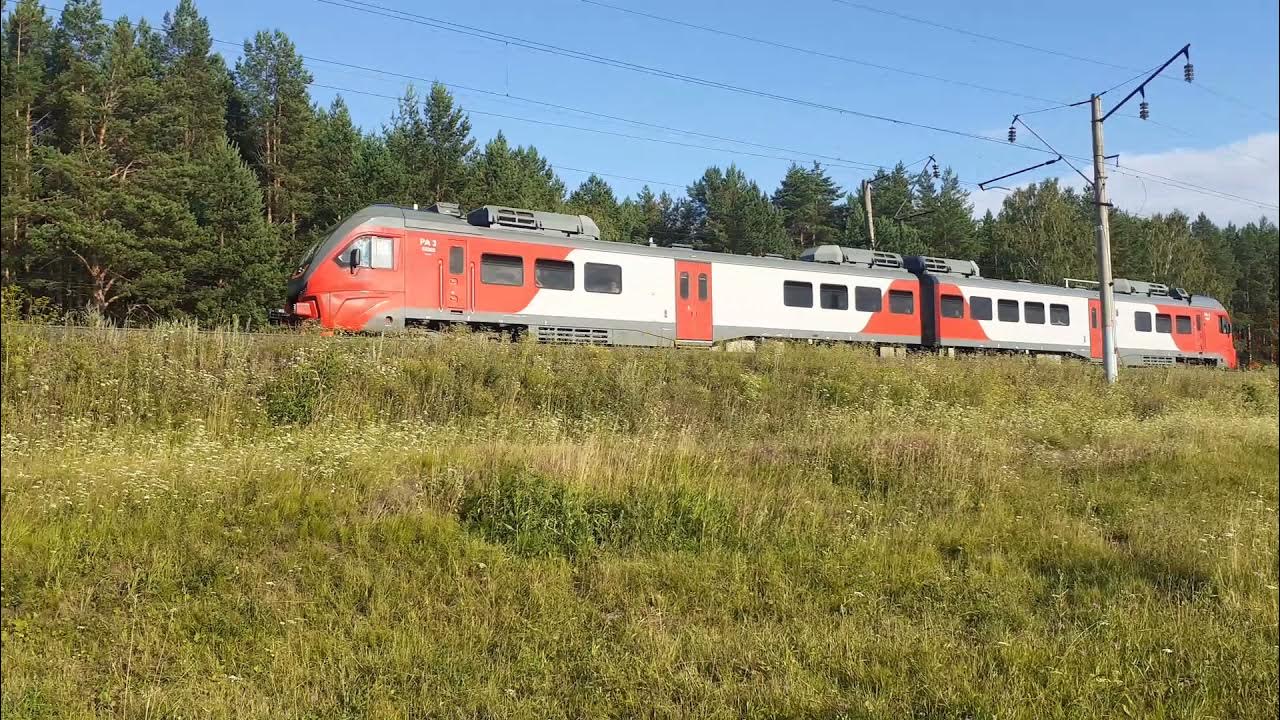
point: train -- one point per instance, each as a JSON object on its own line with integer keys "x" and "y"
{"x": 549, "y": 275}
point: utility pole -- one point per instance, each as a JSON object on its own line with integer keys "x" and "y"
{"x": 1106, "y": 285}
{"x": 1106, "y": 291}
{"x": 867, "y": 214}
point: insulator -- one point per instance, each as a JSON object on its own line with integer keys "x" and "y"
{"x": 1144, "y": 109}
{"x": 1013, "y": 134}
{"x": 1188, "y": 72}
{"x": 936, "y": 174}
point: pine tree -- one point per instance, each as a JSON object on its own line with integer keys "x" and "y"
{"x": 377, "y": 172}
{"x": 24, "y": 84}
{"x": 195, "y": 82}
{"x": 945, "y": 225}
{"x": 273, "y": 83}
{"x": 409, "y": 150}
{"x": 519, "y": 178}
{"x": 110, "y": 215}
{"x": 79, "y": 44}
{"x": 234, "y": 271}
{"x": 1042, "y": 233}
{"x": 1221, "y": 263}
{"x": 1254, "y": 302}
{"x": 806, "y": 200}
{"x": 449, "y": 143}
{"x": 594, "y": 198}
{"x": 339, "y": 189}
{"x": 731, "y": 214}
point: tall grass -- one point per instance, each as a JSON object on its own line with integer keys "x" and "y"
{"x": 228, "y": 525}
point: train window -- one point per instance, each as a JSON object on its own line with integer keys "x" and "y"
{"x": 1224, "y": 325}
{"x": 1093, "y": 317}
{"x": 797, "y": 294}
{"x": 684, "y": 286}
{"x": 833, "y": 297}
{"x": 1199, "y": 323}
{"x": 1183, "y": 324}
{"x": 952, "y": 306}
{"x": 902, "y": 302}
{"x": 457, "y": 259}
{"x": 1142, "y": 321}
{"x": 381, "y": 252}
{"x": 553, "y": 274}
{"x": 867, "y": 299}
{"x": 375, "y": 252}
{"x": 980, "y": 308}
{"x": 1164, "y": 324}
{"x": 1007, "y": 310}
{"x": 1059, "y": 314}
{"x": 1033, "y": 312}
{"x": 602, "y": 278}
{"x": 501, "y": 269}
{"x": 702, "y": 286}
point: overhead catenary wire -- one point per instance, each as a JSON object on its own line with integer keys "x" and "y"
{"x": 1024, "y": 124}
{"x": 1036, "y": 48}
{"x": 834, "y": 161}
{"x": 1172, "y": 182}
{"x": 970, "y": 33}
{"x": 815, "y": 53}
{"x": 567, "y": 126}
{"x": 448, "y": 26}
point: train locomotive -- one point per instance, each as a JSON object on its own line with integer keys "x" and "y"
{"x": 388, "y": 268}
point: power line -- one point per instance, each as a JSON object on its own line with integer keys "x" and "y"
{"x": 970, "y": 33}
{"x": 373, "y": 9}
{"x": 833, "y": 159}
{"x": 814, "y": 53}
{"x": 404, "y": 16}
{"x": 1039, "y": 49}
{"x": 566, "y": 126}
{"x": 1183, "y": 185}
{"x": 620, "y": 177}
{"x": 1024, "y": 124}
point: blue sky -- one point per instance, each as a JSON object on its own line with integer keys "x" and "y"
{"x": 1200, "y": 136}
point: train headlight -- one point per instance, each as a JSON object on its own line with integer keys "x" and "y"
{"x": 305, "y": 309}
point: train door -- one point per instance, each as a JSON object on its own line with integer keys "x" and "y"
{"x": 693, "y": 301}
{"x": 1095, "y": 329}
{"x": 1201, "y": 330}
{"x": 453, "y": 268}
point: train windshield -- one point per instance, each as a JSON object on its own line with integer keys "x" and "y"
{"x": 306, "y": 258}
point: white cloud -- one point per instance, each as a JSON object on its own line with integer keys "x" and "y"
{"x": 1248, "y": 168}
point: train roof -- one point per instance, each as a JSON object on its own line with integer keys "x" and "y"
{"x": 579, "y": 231}
{"x": 412, "y": 219}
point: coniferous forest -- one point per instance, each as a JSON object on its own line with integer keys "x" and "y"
{"x": 144, "y": 178}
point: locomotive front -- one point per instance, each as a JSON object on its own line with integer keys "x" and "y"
{"x": 348, "y": 278}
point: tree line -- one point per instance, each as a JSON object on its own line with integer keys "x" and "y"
{"x": 144, "y": 178}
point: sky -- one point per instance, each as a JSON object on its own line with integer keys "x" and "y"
{"x": 1219, "y": 133}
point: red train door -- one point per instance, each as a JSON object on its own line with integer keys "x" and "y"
{"x": 1202, "y": 339}
{"x": 693, "y": 300}
{"x": 1095, "y": 329}
{"x": 453, "y": 268}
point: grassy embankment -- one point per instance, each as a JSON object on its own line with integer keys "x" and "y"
{"x": 231, "y": 526}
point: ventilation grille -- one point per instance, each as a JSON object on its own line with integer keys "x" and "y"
{"x": 941, "y": 266}
{"x": 557, "y": 224}
{"x": 1137, "y": 287}
{"x": 572, "y": 335}
{"x": 837, "y": 255}
{"x": 1161, "y": 360}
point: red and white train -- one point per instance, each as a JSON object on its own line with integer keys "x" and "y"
{"x": 549, "y": 274}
